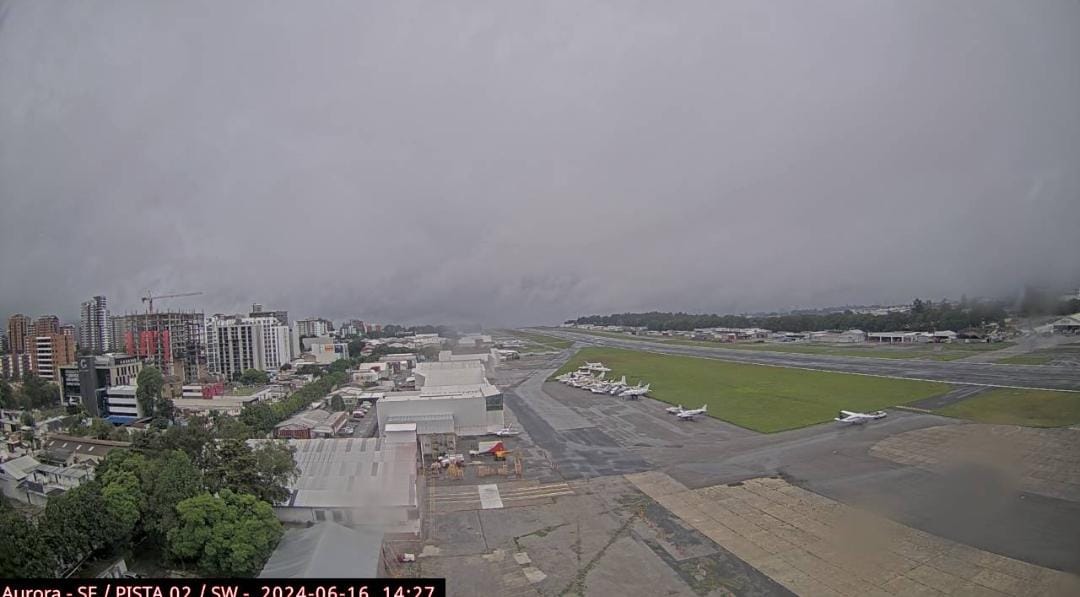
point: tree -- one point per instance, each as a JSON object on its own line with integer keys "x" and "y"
{"x": 23, "y": 552}
{"x": 337, "y": 403}
{"x": 251, "y": 377}
{"x": 264, "y": 472}
{"x": 26, "y": 419}
{"x": 285, "y": 367}
{"x": 121, "y": 491}
{"x": 175, "y": 480}
{"x": 77, "y": 523}
{"x": 225, "y": 535}
{"x": 7, "y": 395}
{"x": 100, "y": 429}
{"x": 310, "y": 370}
{"x": 38, "y": 393}
{"x": 150, "y": 383}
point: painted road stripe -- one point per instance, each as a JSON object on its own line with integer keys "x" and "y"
{"x": 489, "y": 496}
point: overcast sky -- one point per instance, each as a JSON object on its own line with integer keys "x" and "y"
{"x": 524, "y": 162}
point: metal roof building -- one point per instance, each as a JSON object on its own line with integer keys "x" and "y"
{"x": 360, "y": 483}
{"x": 326, "y": 550}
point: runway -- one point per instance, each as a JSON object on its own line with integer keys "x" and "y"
{"x": 985, "y": 374}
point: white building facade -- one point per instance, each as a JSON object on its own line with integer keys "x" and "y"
{"x": 236, "y": 344}
{"x": 95, "y": 329}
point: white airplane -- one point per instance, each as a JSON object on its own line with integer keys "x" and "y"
{"x": 854, "y": 418}
{"x": 618, "y": 386}
{"x": 674, "y": 410}
{"x": 632, "y": 393}
{"x": 688, "y": 415}
{"x": 507, "y": 431}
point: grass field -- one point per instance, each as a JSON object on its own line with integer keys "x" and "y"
{"x": 934, "y": 352}
{"x": 760, "y": 398}
{"x": 542, "y": 340}
{"x": 1032, "y": 408}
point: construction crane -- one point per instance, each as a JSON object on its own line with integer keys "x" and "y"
{"x": 149, "y": 298}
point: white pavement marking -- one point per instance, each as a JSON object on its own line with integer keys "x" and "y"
{"x": 489, "y": 496}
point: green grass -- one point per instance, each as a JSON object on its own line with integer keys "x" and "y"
{"x": 1032, "y": 408}
{"x": 932, "y": 352}
{"x": 1026, "y": 359}
{"x": 756, "y": 397}
{"x": 541, "y": 339}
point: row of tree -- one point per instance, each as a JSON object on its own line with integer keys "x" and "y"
{"x": 212, "y": 512}
{"x": 923, "y": 316}
{"x": 33, "y": 393}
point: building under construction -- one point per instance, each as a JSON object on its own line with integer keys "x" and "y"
{"x": 172, "y": 341}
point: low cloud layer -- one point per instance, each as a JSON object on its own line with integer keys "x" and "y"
{"x": 517, "y": 163}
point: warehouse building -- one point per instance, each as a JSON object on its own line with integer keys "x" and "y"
{"x": 443, "y": 413}
{"x": 367, "y": 484}
{"x": 450, "y": 373}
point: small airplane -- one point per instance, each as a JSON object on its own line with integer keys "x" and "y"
{"x": 854, "y": 418}
{"x": 674, "y": 410}
{"x": 688, "y": 415}
{"x": 632, "y": 393}
{"x": 507, "y": 431}
{"x": 615, "y": 388}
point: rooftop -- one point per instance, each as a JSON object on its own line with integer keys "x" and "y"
{"x": 342, "y": 472}
{"x": 325, "y": 550}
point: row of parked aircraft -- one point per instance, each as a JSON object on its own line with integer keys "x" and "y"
{"x": 590, "y": 376}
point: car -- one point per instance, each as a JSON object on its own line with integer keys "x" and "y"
{"x": 350, "y": 430}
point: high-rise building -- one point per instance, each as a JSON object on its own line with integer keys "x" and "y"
{"x": 172, "y": 341}
{"x": 3, "y": 342}
{"x": 236, "y": 343}
{"x": 94, "y": 328}
{"x": 70, "y": 331}
{"x": 18, "y": 332}
{"x": 258, "y": 311}
{"x": 15, "y": 365}
{"x": 313, "y": 327}
{"x": 52, "y": 351}
{"x": 45, "y": 325}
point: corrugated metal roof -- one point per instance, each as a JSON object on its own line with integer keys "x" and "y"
{"x": 325, "y": 550}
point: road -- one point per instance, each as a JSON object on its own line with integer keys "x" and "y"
{"x": 955, "y": 372}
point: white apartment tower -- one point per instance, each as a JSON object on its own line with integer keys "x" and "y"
{"x": 235, "y": 343}
{"x": 95, "y": 329}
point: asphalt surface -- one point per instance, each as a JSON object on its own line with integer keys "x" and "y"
{"x": 970, "y": 505}
{"x": 987, "y": 374}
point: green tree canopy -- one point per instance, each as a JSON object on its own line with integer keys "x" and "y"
{"x": 7, "y": 395}
{"x": 337, "y": 403}
{"x": 148, "y": 393}
{"x": 251, "y": 377}
{"x": 264, "y": 472}
{"x": 225, "y": 535}
{"x": 23, "y": 552}
{"x": 38, "y": 393}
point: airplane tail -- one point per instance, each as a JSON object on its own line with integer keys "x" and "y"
{"x": 646, "y": 388}
{"x": 704, "y": 408}
{"x": 623, "y": 380}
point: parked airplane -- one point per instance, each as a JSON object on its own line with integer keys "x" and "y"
{"x": 854, "y": 418}
{"x": 674, "y": 410}
{"x": 637, "y": 392}
{"x": 507, "y": 431}
{"x": 688, "y": 415}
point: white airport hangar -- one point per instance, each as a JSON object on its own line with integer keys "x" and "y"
{"x": 358, "y": 483}
{"x": 442, "y": 413}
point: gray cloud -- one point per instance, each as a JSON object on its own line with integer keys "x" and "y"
{"x": 511, "y": 163}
